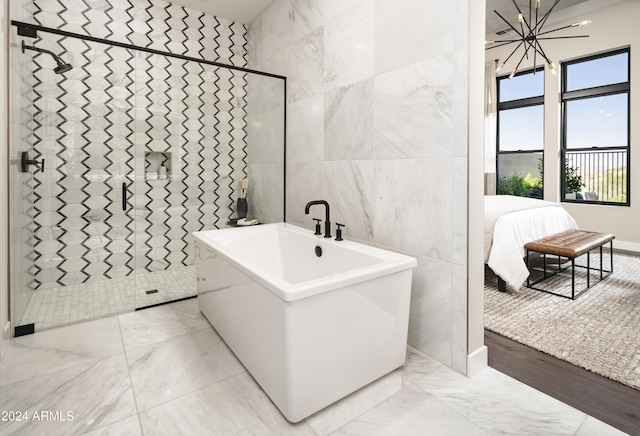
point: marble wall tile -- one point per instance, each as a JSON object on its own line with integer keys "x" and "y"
{"x": 459, "y": 318}
{"x": 460, "y": 103}
{"x": 347, "y": 186}
{"x": 234, "y": 406}
{"x": 305, "y": 130}
{"x": 413, "y": 206}
{"x": 430, "y": 314}
{"x": 459, "y": 23}
{"x": 348, "y": 122}
{"x": 266, "y": 134}
{"x": 348, "y": 43}
{"x": 459, "y": 197}
{"x": 413, "y": 110}
{"x": 305, "y": 78}
{"x": 305, "y": 16}
{"x": 269, "y": 48}
{"x": 410, "y": 31}
{"x": 72, "y": 390}
{"x": 170, "y": 369}
{"x": 265, "y": 199}
{"x": 305, "y": 182}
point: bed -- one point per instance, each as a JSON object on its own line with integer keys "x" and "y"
{"x": 509, "y": 223}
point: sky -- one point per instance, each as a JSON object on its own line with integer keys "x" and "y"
{"x": 593, "y": 122}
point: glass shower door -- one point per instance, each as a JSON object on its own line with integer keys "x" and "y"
{"x": 160, "y": 200}
{"x": 74, "y": 240}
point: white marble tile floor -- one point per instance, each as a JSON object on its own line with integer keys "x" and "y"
{"x": 165, "y": 371}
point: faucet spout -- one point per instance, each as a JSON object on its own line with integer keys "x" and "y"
{"x": 327, "y": 221}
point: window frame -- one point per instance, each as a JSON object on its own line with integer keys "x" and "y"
{"x": 588, "y": 93}
{"x": 519, "y": 104}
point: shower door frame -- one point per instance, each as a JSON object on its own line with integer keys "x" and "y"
{"x": 30, "y": 30}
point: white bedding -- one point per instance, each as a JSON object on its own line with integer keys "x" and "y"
{"x": 511, "y": 222}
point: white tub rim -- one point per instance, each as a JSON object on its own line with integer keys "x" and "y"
{"x": 391, "y": 262}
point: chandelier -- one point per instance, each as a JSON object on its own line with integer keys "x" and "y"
{"x": 530, "y": 33}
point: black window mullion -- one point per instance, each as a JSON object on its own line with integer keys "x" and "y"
{"x": 594, "y": 92}
{"x": 509, "y": 105}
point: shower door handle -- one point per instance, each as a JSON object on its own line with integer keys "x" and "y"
{"x": 124, "y": 196}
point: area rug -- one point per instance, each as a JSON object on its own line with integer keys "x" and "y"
{"x": 599, "y": 331}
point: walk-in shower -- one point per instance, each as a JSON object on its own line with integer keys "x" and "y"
{"x": 94, "y": 233}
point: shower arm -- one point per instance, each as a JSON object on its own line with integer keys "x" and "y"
{"x": 42, "y": 50}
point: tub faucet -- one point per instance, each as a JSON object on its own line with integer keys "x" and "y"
{"x": 327, "y": 221}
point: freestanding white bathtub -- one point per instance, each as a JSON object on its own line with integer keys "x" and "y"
{"x": 309, "y": 329}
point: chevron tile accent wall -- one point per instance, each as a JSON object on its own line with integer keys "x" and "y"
{"x": 108, "y": 120}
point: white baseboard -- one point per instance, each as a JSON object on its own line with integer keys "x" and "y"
{"x": 626, "y": 246}
{"x": 477, "y": 361}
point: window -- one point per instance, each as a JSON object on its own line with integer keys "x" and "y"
{"x": 520, "y": 134}
{"x": 595, "y": 129}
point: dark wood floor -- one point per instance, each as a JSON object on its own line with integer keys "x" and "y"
{"x": 614, "y": 403}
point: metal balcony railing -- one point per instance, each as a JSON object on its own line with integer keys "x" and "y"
{"x": 603, "y": 172}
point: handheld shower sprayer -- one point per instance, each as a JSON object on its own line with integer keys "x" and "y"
{"x": 61, "y": 68}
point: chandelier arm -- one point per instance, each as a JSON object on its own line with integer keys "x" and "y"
{"x": 523, "y": 19}
{"x": 497, "y": 41}
{"x": 503, "y": 44}
{"x": 555, "y": 30}
{"x": 530, "y": 44}
{"x": 514, "y": 50}
{"x": 509, "y": 24}
{"x": 544, "y": 18}
{"x": 530, "y": 13}
{"x": 542, "y": 53}
{"x": 517, "y": 66}
{"x": 535, "y": 29}
{"x": 562, "y": 37}
{"x": 518, "y": 7}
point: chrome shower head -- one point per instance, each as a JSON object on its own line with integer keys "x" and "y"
{"x": 61, "y": 68}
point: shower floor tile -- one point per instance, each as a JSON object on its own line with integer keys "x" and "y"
{"x": 53, "y": 307}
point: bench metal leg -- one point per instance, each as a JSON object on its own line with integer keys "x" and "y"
{"x": 588, "y": 268}
{"x": 528, "y": 269}
{"x": 573, "y": 278}
{"x": 611, "y": 254}
{"x": 601, "y": 262}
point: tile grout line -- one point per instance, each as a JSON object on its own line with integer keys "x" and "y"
{"x": 126, "y": 359}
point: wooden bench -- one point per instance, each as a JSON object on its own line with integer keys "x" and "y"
{"x": 571, "y": 244}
